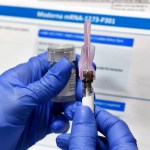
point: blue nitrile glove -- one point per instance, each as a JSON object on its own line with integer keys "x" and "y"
{"x": 84, "y": 132}
{"x": 26, "y": 112}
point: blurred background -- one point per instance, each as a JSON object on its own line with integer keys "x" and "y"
{"x": 120, "y": 33}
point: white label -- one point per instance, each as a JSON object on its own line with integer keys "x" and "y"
{"x": 88, "y": 101}
{"x": 70, "y": 88}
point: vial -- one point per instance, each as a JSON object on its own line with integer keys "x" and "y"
{"x": 55, "y": 53}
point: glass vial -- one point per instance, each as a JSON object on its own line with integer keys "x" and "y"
{"x": 55, "y": 53}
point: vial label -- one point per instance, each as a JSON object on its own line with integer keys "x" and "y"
{"x": 70, "y": 88}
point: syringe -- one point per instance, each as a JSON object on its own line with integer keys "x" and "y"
{"x": 86, "y": 69}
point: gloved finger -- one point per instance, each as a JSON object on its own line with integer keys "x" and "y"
{"x": 116, "y": 131}
{"x": 102, "y": 143}
{"x": 51, "y": 83}
{"x": 79, "y": 89}
{"x": 59, "y": 124}
{"x": 84, "y": 130}
{"x": 31, "y": 71}
{"x": 62, "y": 141}
{"x": 76, "y": 63}
{"x": 69, "y": 109}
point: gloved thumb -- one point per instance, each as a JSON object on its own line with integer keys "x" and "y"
{"x": 52, "y": 82}
{"x": 116, "y": 131}
{"x": 83, "y": 133}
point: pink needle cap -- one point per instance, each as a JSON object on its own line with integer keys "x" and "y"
{"x": 87, "y": 52}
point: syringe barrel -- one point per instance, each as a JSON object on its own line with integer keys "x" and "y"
{"x": 88, "y": 93}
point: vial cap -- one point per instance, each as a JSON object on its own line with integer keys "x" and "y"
{"x": 57, "y": 51}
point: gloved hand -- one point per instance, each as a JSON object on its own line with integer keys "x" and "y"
{"x": 26, "y": 112}
{"x": 84, "y": 132}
